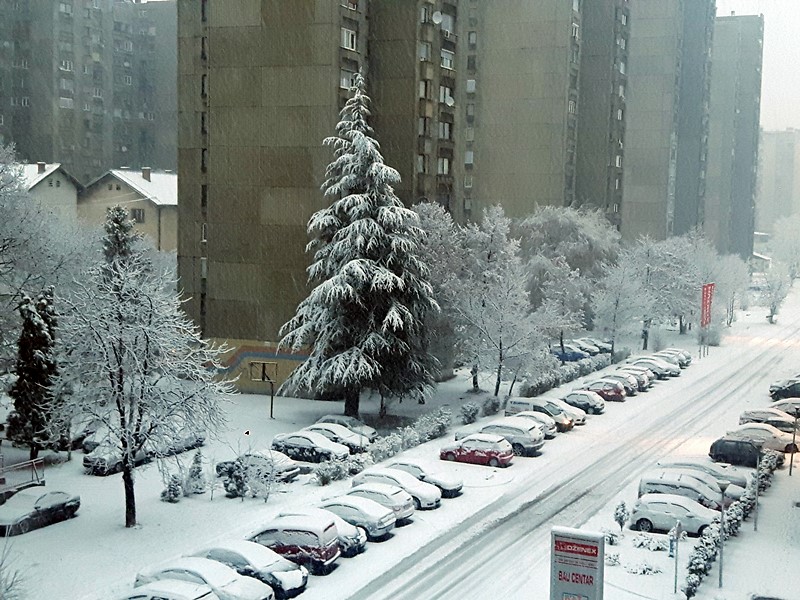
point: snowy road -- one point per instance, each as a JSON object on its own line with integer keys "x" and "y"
{"x": 505, "y": 547}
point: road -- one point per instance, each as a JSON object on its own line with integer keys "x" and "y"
{"x": 493, "y": 553}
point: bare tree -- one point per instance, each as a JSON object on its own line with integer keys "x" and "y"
{"x": 11, "y": 579}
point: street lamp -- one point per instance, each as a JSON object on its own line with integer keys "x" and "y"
{"x": 794, "y": 437}
{"x": 723, "y": 485}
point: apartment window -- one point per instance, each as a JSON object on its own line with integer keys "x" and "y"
{"x": 469, "y": 134}
{"x": 621, "y": 42}
{"x": 204, "y": 85}
{"x": 137, "y": 214}
{"x": 621, "y": 91}
{"x": 619, "y": 114}
{"x": 470, "y": 112}
{"x": 576, "y": 54}
{"x": 86, "y": 70}
{"x": 421, "y": 164}
{"x": 14, "y": 101}
{"x": 65, "y": 8}
{"x": 204, "y": 160}
{"x": 576, "y": 5}
{"x": 66, "y": 103}
{"x": 87, "y": 107}
{"x": 443, "y": 165}
{"x": 128, "y": 80}
{"x": 346, "y": 78}
{"x": 472, "y": 39}
{"x": 97, "y": 92}
{"x": 572, "y": 107}
{"x": 448, "y": 24}
{"x": 425, "y": 13}
{"x": 617, "y": 183}
{"x": 471, "y": 63}
{"x": 204, "y": 232}
{"x": 424, "y": 51}
{"x": 471, "y": 86}
{"x": 66, "y": 65}
{"x": 623, "y": 18}
{"x": 128, "y": 46}
{"x": 204, "y": 11}
{"x": 204, "y": 48}
{"x": 67, "y": 84}
{"x": 25, "y": 101}
{"x": 467, "y": 181}
{"x": 445, "y": 130}
{"x": 425, "y": 88}
{"x": 349, "y": 39}
{"x": 350, "y": 4}
{"x": 576, "y": 29}
{"x": 446, "y": 95}
{"x": 204, "y": 122}
{"x": 622, "y": 67}
{"x": 424, "y": 126}
{"x": 448, "y": 59}
{"x": 58, "y": 183}
{"x": 1, "y": 119}
{"x": 618, "y": 160}
{"x": 203, "y": 267}
{"x": 469, "y": 158}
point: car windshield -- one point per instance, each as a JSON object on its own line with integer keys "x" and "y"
{"x": 21, "y": 502}
{"x": 213, "y": 573}
{"x": 257, "y": 555}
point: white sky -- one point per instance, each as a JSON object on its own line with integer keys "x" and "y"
{"x": 780, "y": 91}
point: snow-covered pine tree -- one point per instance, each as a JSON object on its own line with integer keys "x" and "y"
{"x": 36, "y": 368}
{"x": 196, "y": 479}
{"x": 363, "y": 323}
{"x": 621, "y": 514}
{"x": 119, "y": 242}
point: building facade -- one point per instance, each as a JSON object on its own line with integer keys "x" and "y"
{"x": 734, "y": 134}
{"x": 77, "y": 82}
{"x": 53, "y": 189}
{"x": 778, "y": 192}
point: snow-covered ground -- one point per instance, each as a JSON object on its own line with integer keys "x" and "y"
{"x": 94, "y": 556}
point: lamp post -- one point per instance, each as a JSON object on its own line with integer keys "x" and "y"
{"x": 723, "y": 485}
{"x": 794, "y": 437}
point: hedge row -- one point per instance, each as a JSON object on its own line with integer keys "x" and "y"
{"x": 565, "y": 373}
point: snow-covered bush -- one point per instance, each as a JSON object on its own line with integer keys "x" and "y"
{"x": 612, "y": 559}
{"x": 174, "y": 490}
{"x": 568, "y": 372}
{"x": 586, "y": 366}
{"x": 621, "y": 514}
{"x": 692, "y": 584}
{"x": 469, "y": 412}
{"x": 385, "y": 447}
{"x": 433, "y": 425}
{"x": 649, "y": 542}
{"x": 734, "y": 515}
{"x": 612, "y": 537}
{"x": 491, "y": 406}
{"x": 235, "y": 482}
{"x": 620, "y": 355}
{"x": 330, "y": 470}
{"x": 410, "y": 437}
{"x": 196, "y": 479}
{"x": 358, "y": 462}
{"x": 643, "y": 568}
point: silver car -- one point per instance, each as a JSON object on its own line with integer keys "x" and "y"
{"x": 448, "y": 484}
{"x": 661, "y": 512}
{"x": 352, "y": 424}
{"x": 376, "y": 519}
{"x": 525, "y": 436}
{"x": 715, "y": 470}
{"x": 170, "y": 589}
{"x": 548, "y": 423}
{"x": 392, "y": 497}
{"x": 771, "y": 416}
{"x": 425, "y": 495}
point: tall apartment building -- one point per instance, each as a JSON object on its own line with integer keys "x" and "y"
{"x": 77, "y": 82}
{"x": 601, "y": 118}
{"x": 734, "y": 133}
{"x": 778, "y": 192}
{"x": 664, "y": 146}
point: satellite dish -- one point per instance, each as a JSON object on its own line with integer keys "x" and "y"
{"x": 436, "y": 17}
{"x": 449, "y": 101}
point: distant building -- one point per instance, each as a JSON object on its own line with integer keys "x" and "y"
{"x": 151, "y": 198}
{"x": 53, "y": 188}
{"x": 667, "y": 116}
{"x": 778, "y": 193}
{"x": 90, "y": 85}
{"x": 733, "y": 134}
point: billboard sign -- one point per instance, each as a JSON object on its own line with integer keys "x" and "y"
{"x": 577, "y": 561}
{"x": 705, "y": 307}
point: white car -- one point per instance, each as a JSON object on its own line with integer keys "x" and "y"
{"x": 548, "y": 423}
{"x": 715, "y": 470}
{"x": 732, "y": 491}
{"x": 341, "y": 435}
{"x": 224, "y": 581}
{"x": 662, "y": 511}
{"x": 657, "y": 365}
{"x": 352, "y": 539}
{"x": 309, "y": 446}
{"x": 525, "y": 436}
{"x": 171, "y": 589}
{"x": 352, "y": 424}
{"x": 787, "y": 405}
{"x": 374, "y": 518}
{"x": 425, "y": 495}
{"x": 577, "y": 415}
{"x": 771, "y": 416}
{"x": 770, "y": 437}
{"x": 449, "y": 485}
{"x": 392, "y": 497}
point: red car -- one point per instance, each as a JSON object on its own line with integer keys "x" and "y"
{"x": 480, "y": 449}
{"x": 608, "y": 389}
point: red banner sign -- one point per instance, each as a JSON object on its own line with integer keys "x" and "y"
{"x": 705, "y": 307}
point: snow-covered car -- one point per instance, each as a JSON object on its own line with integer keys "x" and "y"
{"x": 449, "y": 485}
{"x": 540, "y": 405}
{"x": 352, "y": 539}
{"x": 569, "y": 353}
{"x": 254, "y": 560}
{"x": 424, "y": 495}
{"x": 479, "y": 449}
{"x": 715, "y": 470}
{"x": 587, "y": 400}
{"x": 603, "y": 346}
{"x": 309, "y": 540}
{"x": 170, "y": 589}
{"x": 390, "y": 496}
{"x": 262, "y": 463}
{"x": 684, "y": 354}
{"x": 771, "y": 416}
{"x": 309, "y": 446}
{"x": 33, "y": 508}
{"x": 107, "y": 459}
{"x": 668, "y": 357}
{"x": 766, "y": 435}
{"x": 684, "y": 359}
{"x": 224, "y": 581}
{"x": 644, "y": 376}
{"x": 577, "y": 415}
{"x": 733, "y": 491}
{"x": 525, "y": 436}
{"x": 376, "y": 519}
{"x": 786, "y": 388}
{"x": 787, "y": 405}
{"x": 628, "y": 381}
{"x": 547, "y": 422}
{"x": 659, "y": 366}
{"x": 660, "y": 512}
{"x": 352, "y": 424}
{"x": 739, "y": 451}
{"x": 608, "y": 389}
{"x": 673, "y": 481}
{"x": 340, "y": 434}
{"x": 587, "y": 347}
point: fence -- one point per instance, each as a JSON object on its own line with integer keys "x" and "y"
{"x": 20, "y": 476}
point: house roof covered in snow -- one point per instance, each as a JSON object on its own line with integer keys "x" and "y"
{"x": 35, "y": 173}
{"x": 160, "y": 187}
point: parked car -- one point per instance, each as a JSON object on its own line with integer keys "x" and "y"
{"x": 643, "y": 382}
{"x": 33, "y": 508}
{"x": 254, "y": 560}
{"x": 661, "y": 368}
{"x": 548, "y": 423}
{"x": 525, "y": 436}
{"x": 376, "y": 519}
{"x": 311, "y": 541}
{"x": 224, "y": 581}
{"x": 262, "y": 463}
{"x": 668, "y": 357}
{"x": 588, "y": 401}
{"x": 107, "y": 459}
{"x": 480, "y": 449}
{"x": 170, "y": 589}
{"x": 788, "y": 388}
{"x": 717, "y": 471}
{"x": 771, "y": 416}
{"x": 733, "y": 492}
{"x": 424, "y": 495}
{"x": 667, "y": 481}
{"x": 604, "y": 347}
{"x": 787, "y": 405}
{"x": 94, "y": 438}
{"x": 390, "y": 496}
{"x": 629, "y": 382}
{"x": 737, "y": 451}
{"x": 684, "y": 358}
{"x": 541, "y": 405}
{"x": 661, "y": 512}
{"x": 352, "y": 424}
{"x": 684, "y": 354}
{"x": 309, "y": 446}
{"x": 356, "y": 443}
{"x": 577, "y": 415}
{"x": 352, "y": 539}
{"x": 587, "y": 347}
{"x": 449, "y": 485}
{"x": 769, "y": 437}
{"x": 570, "y": 353}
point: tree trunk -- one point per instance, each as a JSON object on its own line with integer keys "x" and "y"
{"x": 645, "y": 336}
{"x": 351, "y": 402}
{"x": 497, "y": 381}
{"x": 474, "y": 372}
{"x": 130, "y": 498}
{"x": 383, "y": 410}
{"x": 681, "y": 325}
{"x": 34, "y": 451}
{"x": 612, "y": 349}
{"x": 513, "y": 381}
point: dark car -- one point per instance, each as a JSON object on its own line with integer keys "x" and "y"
{"x": 309, "y": 446}
{"x": 263, "y": 464}
{"x": 785, "y": 389}
{"x": 569, "y": 353}
{"x": 628, "y": 381}
{"x": 737, "y": 452}
{"x": 34, "y": 508}
{"x": 588, "y": 401}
